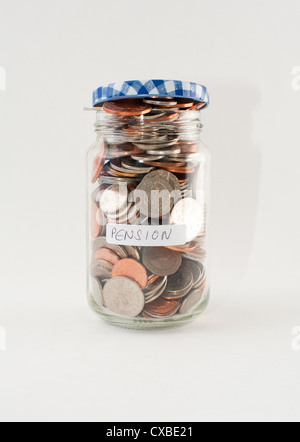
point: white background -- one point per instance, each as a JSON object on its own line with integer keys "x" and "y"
{"x": 236, "y": 363}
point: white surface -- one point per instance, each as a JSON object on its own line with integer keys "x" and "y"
{"x": 237, "y": 362}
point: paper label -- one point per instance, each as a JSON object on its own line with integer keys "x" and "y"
{"x": 146, "y": 236}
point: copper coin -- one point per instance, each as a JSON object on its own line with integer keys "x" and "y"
{"x": 183, "y": 170}
{"x": 165, "y": 165}
{"x": 146, "y": 315}
{"x": 97, "y": 221}
{"x": 187, "y": 248}
{"x": 106, "y": 255}
{"x": 99, "y": 162}
{"x": 131, "y": 269}
{"x": 123, "y": 150}
{"x": 127, "y": 107}
{"x": 152, "y": 279}
{"x": 161, "y": 261}
{"x": 180, "y": 167}
{"x": 168, "y": 116}
{"x": 162, "y": 307}
{"x": 122, "y": 174}
{"x": 187, "y": 148}
{"x": 184, "y": 103}
{"x": 197, "y": 106}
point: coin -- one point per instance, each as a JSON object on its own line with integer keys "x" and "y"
{"x": 180, "y": 283}
{"x": 114, "y": 199}
{"x": 143, "y": 158}
{"x": 189, "y": 212}
{"x": 122, "y": 150}
{"x": 197, "y": 106}
{"x": 198, "y": 254}
{"x": 163, "y": 151}
{"x": 132, "y": 252}
{"x": 189, "y": 247}
{"x": 155, "y": 146}
{"x": 99, "y": 161}
{"x": 131, "y": 269}
{"x": 156, "y": 289}
{"x": 184, "y": 103}
{"x": 101, "y": 270}
{"x": 101, "y": 242}
{"x": 168, "y": 116}
{"x": 161, "y": 103}
{"x": 191, "y": 302}
{"x": 121, "y": 216}
{"x": 127, "y": 107}
{"x": 202, "y": 286}
{"x": 155, "y": 197}
{"x": 136, "y": 166}
{"x": 151, "y": 115}
{"x": 161, "y": 261}
{"x": 106, "y": 255}
{"x": 167, "y": 176}
{"x": 96, "y": 221}
{"x": 123, "y": 296}
{"x": 197, "y": 270}
{"x": 97, "y": 291}
{"x": 162, "y": 307}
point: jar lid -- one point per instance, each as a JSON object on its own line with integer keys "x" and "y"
{"x": 151, "y": 88}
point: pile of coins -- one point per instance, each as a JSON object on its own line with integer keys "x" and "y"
{"x": 145, "y": 172}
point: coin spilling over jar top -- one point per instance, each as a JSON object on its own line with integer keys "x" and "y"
{"x": 147, "y": 171}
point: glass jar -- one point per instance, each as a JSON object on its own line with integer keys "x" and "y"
{"x": 148, "y": 205}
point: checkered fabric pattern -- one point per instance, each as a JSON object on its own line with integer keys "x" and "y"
{"x": 146, "y": 88}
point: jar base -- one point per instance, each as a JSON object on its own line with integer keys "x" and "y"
{"x": 144, "y": 324}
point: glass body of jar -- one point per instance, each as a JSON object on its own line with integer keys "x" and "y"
{"x": 148, "y": 219}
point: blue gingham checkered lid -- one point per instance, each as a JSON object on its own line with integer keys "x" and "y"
{"x": 150, "y": 88}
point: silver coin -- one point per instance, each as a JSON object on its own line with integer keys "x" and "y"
{"x": 113, "y": 180}
{"x": 155, "y": 289}
{"x": 123, "y": 296}
{"x": 154, "y": 197}
{"x": 173, "y": 117}
{"x": 151, "y": 115}
{"x": 156, "y": 139}
{"x": 191, "y": 302}
{"x": 97, "y": 291}
{"x": 167, "y": 103}
{"x": 156, "y": 295}
{"x": 101, "y": 243}
{"x": 162, "y": 151}
{"x": 197, "y": 270}
{"x": 154, "y": 146}
{"x": 114, "y": 199}
{"x": 122, "y": 215}
{"x": 145, "y": 158}
{"x": 190, "y": 213}
{"x": 101, "y": 270}
{"x": 132, "y": 252}
{"x": 198, "y": 255}
{"x": 168, "y": 176}
{"x": 135, "y": 166}
{"x": 179, "y": 284}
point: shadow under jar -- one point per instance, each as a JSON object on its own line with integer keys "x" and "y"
{"x": 148, "y": 208}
